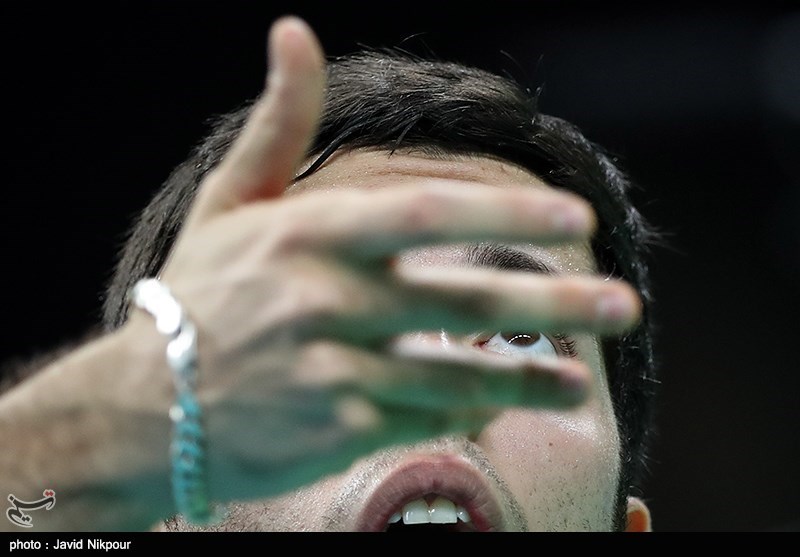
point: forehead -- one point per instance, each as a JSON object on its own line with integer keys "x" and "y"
{"x": 377, "y": 169}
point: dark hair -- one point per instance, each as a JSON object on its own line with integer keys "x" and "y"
{"x": 387, "y": 99}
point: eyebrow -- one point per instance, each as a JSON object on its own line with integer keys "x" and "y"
{"x": 499, "y": 256}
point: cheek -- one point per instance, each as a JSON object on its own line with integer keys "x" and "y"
{"x": 562, "y": 468}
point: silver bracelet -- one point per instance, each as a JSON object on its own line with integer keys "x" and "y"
{"x": 188, "y": 446}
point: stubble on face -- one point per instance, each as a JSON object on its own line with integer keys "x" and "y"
{"x": 571, "y": 483}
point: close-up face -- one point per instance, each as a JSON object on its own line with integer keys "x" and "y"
{"x": 527, "y": 469}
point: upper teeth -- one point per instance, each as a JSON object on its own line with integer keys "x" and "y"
{"x": 441, "y": 511}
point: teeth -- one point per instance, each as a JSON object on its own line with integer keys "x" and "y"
{"x": 416, "y": 512}
{"x": 441, "y": 511}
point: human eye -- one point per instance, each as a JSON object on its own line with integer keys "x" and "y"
{"x": 533, "y": 344}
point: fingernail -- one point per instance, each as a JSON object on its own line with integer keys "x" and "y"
{"x": 276, "y": 47}
{"x": 615, "y": 306}
{"x": 556, "y": 388}
{"x": 574, "y": 389}
{"x": 572, "y": 219}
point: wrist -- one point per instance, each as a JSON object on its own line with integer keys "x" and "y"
{"x": 94, "y": 426}
{"x": 189, "y": 459}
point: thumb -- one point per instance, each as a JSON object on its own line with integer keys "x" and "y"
{"x": 266, "y": 154}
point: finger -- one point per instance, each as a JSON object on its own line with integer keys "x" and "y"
{"x": 375, "y": 224}
{"x": 417, "y": 375}
{"x": 464, "y": 300}
{"x": 476, "y": 299}
{"x": 263, "y": 159}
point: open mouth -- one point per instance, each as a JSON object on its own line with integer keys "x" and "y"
{"x": 432, "y": 493}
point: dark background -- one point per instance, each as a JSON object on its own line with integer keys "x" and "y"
{"x": 700, "y": 102}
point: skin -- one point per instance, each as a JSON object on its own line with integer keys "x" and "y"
{"x": 574, "y": 453}
{"x": 330, "y": 394}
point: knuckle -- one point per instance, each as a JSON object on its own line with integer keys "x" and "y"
{"x": 323, "y": 302}
{"x": 358, "y": 414}
{"x": 290, "y": 236}
{"x": 568, "y": 291}
{"x": 423, "y": 210}
{"x": 323, "y": 362}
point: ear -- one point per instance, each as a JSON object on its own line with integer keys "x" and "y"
{"x": 638, "y": 516}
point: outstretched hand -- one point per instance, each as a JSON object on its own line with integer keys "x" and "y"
{"x": 297, "y": 303}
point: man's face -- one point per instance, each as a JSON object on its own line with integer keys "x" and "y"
{"x": 527, "y": 469}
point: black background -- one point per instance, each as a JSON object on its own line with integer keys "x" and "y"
{"x": 701, "y": 102}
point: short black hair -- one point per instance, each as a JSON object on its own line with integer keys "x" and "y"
{"x": 389, "y": 99}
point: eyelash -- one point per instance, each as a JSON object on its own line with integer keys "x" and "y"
{"x": 567, "y": 344}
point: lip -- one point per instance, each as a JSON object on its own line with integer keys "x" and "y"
{"x": 448, "y": 475}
